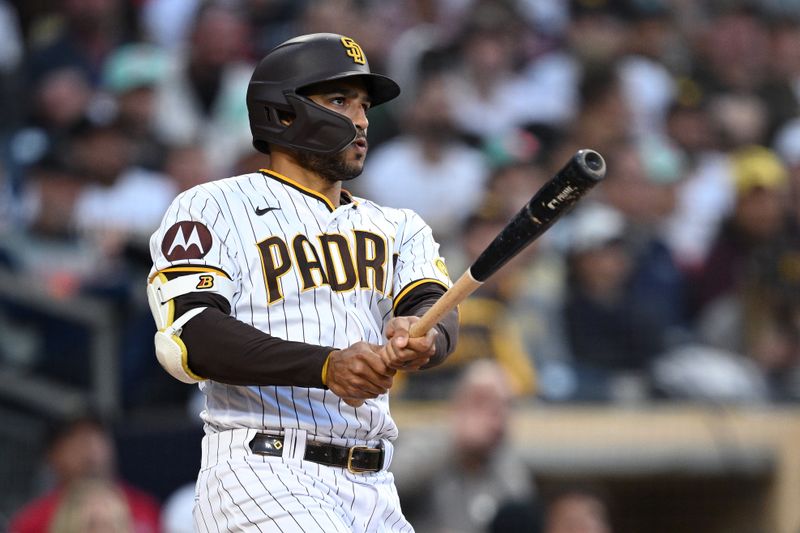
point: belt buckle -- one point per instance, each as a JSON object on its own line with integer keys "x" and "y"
{"x": 350, "y": 468}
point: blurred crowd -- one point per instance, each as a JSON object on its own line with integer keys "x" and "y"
{"x": 677, "y": 278}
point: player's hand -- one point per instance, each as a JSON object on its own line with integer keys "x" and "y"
{"x": 358, "y": 373}
{"x": 404, "y": 352}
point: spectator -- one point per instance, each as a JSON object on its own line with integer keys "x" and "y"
{"x": 487, "y": 329}
{"x": 596, "y": 35}
{"x": 79, "y": 451}
{"x": 706, "y": 195}
{"x": 576, "y": 509}
{"x": 746, "y": 295}
{"x": 10, "y": 42}
{"x": 187, "y": 166}
{"x": 597, "y": 32}
{"x": 87, "y": 34}
{"x": 336, "y": 16}
{"x": 781, "y": 92}
{"x": 517, "y": 517}
{"x": 428, "y": 163}
{"x": 511, "y": 185}
{"x": 50, "y": 194}
{"x": 110, "y": 200}
{"x": 740, "y": 119}
{"x": 612, "y": 336}
{"x": 759, "y": 215}
{"x": 202, "y": 98}
{"x": 531, "y": 288}
{"x": 486, "y": 83}
{"x": 643, "y": 186}
{"x": 92, "y": 506}
{"x": 424, "y": 37}
{"x": 132, "y": 75}
{"x": 458, "y": 480}
{"x": 646, "y": 68}
{"x": 11, "y": 50}
{"x": 734, "y": 51}
{"x": 168, "y": 23}
{"x": 59, "y": 101}
{"x": 273, "y": 21}
{"x": 533, "y": 292}
{"x": 604, "y": 118}
{"x": 787, "y": 145}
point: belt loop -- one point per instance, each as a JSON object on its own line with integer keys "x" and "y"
{"x": 388, "y": 453}
{"x": 294, "y": 444}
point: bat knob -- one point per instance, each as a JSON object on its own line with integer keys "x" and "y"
{"x": 591, "y": 163}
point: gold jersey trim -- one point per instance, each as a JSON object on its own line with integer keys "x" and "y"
{"x": 411, "y": 286}
{"x": 308, "y": 191}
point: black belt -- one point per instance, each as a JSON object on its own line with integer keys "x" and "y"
{"x": 356, "y": 458}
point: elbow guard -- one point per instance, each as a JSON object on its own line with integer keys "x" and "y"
{"x": 170, "y": 349}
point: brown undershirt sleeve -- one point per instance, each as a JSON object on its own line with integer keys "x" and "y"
{"x": 224, "y": 349}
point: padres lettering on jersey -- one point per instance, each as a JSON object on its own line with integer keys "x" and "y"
{"x": 335, "y": 261}
{"x": 305, "y": 271}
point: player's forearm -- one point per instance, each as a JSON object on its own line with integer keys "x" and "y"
{"x": 420, "y": 300}
{"x": 224, "y": 349}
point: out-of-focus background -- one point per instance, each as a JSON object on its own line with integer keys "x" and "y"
{"x": 636, "y": 370}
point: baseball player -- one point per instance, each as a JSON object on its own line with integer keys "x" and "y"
{"x": 289, "y": 301}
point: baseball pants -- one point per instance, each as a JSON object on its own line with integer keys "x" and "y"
{"x": 238, "y": 490}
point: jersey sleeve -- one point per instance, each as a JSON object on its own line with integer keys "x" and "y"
{"x": 194, "y": 236}
{"x": 417, "y": 259}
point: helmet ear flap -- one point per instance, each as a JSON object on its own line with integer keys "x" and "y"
{"x": 270, "y": 124}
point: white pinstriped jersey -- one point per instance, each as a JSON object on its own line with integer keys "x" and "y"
{"x": 304, "y": 271}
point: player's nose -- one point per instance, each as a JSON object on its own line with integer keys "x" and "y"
{"x": 360, "y": 118}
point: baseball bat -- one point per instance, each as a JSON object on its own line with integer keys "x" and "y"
{"x": 583, "y": 171}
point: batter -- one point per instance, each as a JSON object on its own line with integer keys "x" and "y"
{"x": 289, "y": 301}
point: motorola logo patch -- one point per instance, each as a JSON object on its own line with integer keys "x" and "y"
{"x": 186, "y": 240}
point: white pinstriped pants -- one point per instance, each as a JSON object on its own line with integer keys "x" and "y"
{"x": 238, "y": 490}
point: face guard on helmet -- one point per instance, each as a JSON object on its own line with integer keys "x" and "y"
{"x": 298, "y": 63}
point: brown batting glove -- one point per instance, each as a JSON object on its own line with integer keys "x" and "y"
{"x": 404, "y": 352}
{"x": 358, "y": 373}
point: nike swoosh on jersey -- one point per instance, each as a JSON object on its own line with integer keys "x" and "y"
{"x": 264, "y": 210}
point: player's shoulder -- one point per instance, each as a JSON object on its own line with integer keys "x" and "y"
{"x": 400, "y": 217}
{"x": 230, "y": 186}
{"x": 392, "y": 213}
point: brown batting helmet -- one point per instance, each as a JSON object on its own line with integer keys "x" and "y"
{"x": 279, "y": 78}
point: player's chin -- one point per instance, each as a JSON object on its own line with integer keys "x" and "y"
{"x": 353, "y": 168}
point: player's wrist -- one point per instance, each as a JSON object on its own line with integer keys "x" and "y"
{"x": 325, "y": 369}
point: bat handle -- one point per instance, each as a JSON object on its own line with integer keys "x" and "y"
{"x": 463, "y": 287}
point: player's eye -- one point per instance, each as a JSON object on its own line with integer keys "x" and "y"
{"x": 338, "y": 100}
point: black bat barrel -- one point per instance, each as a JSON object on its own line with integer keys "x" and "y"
{"x": 582, "y": 172}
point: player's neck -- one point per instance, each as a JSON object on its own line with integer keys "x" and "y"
{"x": 288, "y": 167}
